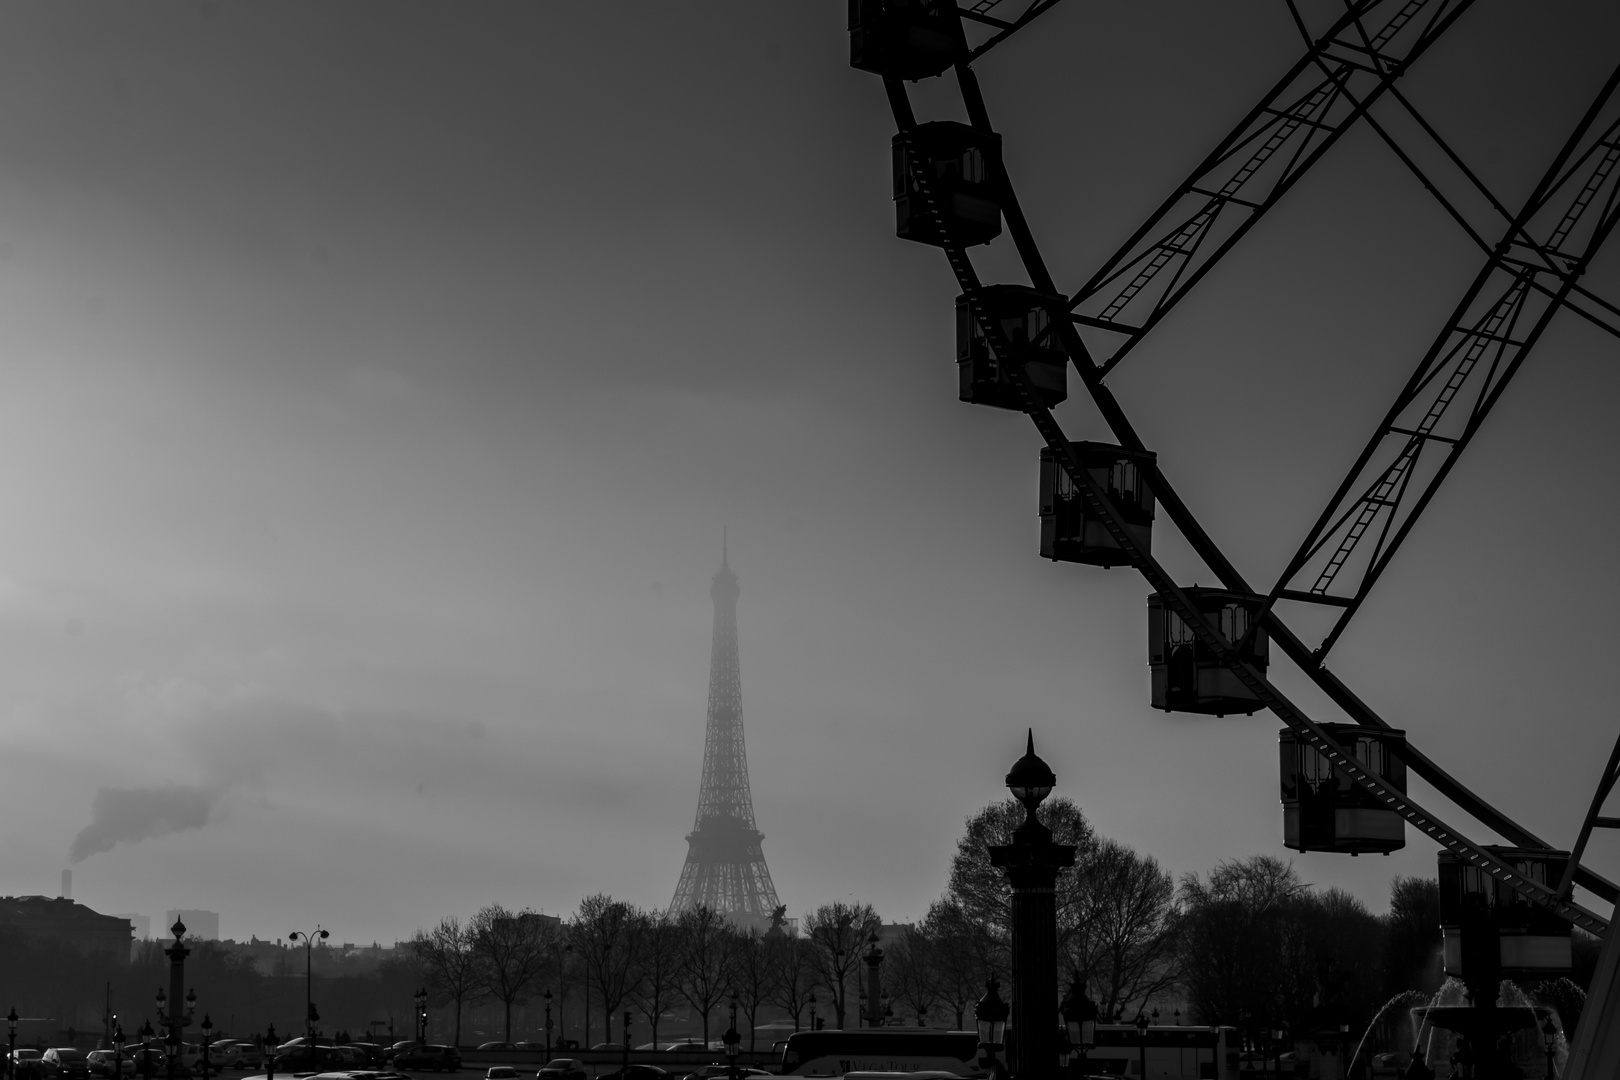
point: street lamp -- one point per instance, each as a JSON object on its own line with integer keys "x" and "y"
{"x": 732, "y": 1040}
{"x": 146, "y": 1034}
{"x": 309, "y": 984}
{"x": 208, "y": 1033}
{"x": 270, "y": 1045}
{"x": 169, "y": 1006}
{"x": 547, "y": 996}
{"x": 813, "y": 1013}
{"x": 118, "y": 1051}
{"x": 1032, "y": 863}
{"x": 1549, "y": 1037}
{"x": 420, "y": 997}
{"x": 624, "y": 1033}
{"x": 11, "y": 1043}
{"x": 1141, "y": 1044}
{"x": 990, "y": 1013}
{"x": 1080, "y": 1020}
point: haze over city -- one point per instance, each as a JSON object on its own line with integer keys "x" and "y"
{"x": 380, "y": 379}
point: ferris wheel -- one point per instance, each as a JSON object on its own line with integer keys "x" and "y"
{"x": 1506, "y": 909}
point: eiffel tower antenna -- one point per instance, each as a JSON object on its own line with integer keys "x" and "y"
{"x": 725, "y": 866}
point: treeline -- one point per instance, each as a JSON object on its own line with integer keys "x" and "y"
{"x": 1249, "y": 944}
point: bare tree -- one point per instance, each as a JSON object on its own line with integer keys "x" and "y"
{"x": 965, "y": 955}
{"x": 1128, "y": 949}
{"x": 752, "y": 972}
{"x": 450, "y": 964}
{"x": 981, "y": 890}
{"x": 792, "y": 977}
{"x": 705, "y": 963}
{"x": 837, "y": 933}
{"x": 514, "y": 949}
{"x": 656, "y": 979}
{"x": 914, "y": 972}
{"x": 605, "y": 934}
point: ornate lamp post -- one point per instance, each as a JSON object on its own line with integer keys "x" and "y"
{"x": 990, "y": 1014}
{"x": 118, "y": 1051}
{"x": 547, "y": 996}
{"x": 624, "y": 1032}
{"x": 309, "y": 985}
{"x": 11, "y": 1043}
{"x": 270, "y": 1045}
{"x": 145, "y": 1032}
{"x": 1032, "y": 862}
{"x": 173, "y": 1018}
{"x": 1080, "y": 1021}
{"x": 208, "y": 1033}
{"x": 1549, "y": 1038}
{"x": 812, "y": 1003}
{"x": 420, "y": 997}
{"x": 733, "y": 1041}
{"x": 1141, "y": 1044}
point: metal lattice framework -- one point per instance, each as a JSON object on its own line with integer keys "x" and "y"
{"x": 725, "y": 864}
{"x": 1531, "y": 272}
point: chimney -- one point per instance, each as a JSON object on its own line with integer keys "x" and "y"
{"x": 67, "y": 884}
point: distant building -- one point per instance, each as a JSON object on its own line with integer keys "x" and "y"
{"x": 141, "y": 923}
{"x": 46, "y": 919}
{"x": 199, "y": 924}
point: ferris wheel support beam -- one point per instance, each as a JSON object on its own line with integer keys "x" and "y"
{"x": 1312, "y": 734}
{"x": 1181, "y": 515}
{"x": 1255, "y": 165}
{"x": 1481, "y": 347}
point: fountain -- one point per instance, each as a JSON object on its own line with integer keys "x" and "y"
{"x": 1496, "y": 1037}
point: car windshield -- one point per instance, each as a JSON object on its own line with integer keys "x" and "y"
{"x": 560, "y": 1063}
{"x": 68, "y": 1054}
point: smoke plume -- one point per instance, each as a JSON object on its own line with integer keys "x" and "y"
{"x": 126, "y": 815}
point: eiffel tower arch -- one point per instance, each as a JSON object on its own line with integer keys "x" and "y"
{"x": 725, "y": 865}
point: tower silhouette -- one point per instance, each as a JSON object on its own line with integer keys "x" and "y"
{"x": 725, "y": 865}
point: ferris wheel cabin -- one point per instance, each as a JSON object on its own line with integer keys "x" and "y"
{"x": 1490, "y": 932}
{"x": 1186, "y": 675}
{"x": 1023, "y": 314}
{"x": 908, "y": 39}
{"x": 1070, "y": 532}
{"x": 955, "y": 162}
{"x": 1324, "y": 810}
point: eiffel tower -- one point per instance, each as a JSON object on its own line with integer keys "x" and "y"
{"x": 725, "y": 866}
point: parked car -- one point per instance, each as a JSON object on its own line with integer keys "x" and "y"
{"x": 103, "y": 1062}
{"x": 496, "y": 1046}
{"x": 635, "y": 1072}
{"x": 431, "y": 1056}
{"x": 25, "y": 1062}
{"x": 297, "y": 1059}
{"x": 500, "y": 1072}
{"x": 687, "y": 1044}
{"x": 64, "y": 1062}
{"x": 708, "y": 1072}
{"x": 562, "y": 1069}
{"x": 608, "y": 1046}
{"x": 371, "y": 1053}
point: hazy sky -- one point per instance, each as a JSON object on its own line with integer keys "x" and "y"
{"x": 378, "y": 379}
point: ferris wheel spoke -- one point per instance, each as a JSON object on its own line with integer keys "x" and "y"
{"x": 1464, "y": 372}
{"x": 1249, "y": 171}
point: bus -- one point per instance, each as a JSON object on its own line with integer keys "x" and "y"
{"x": 1171, "y": 1052}
{"x": 834, "y": 1052}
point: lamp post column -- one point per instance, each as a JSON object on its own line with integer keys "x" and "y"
{"x": 310, "y": 1015}
{"x": 548, "y": 1023}
{"x": 11, "y": 1043}
{"x": 873, "y": 958}
{"x": 178, "y": 1011}
{"x": 1032, "y": 863}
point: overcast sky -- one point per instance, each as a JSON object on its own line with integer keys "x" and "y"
{"x": 378, "y": 379}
